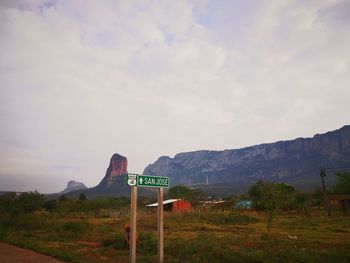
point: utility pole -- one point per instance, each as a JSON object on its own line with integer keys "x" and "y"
{"x": 326, "y": 201}
{"x": 323, "y": 174}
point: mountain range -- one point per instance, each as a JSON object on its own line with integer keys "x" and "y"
{"x": 296, "y": 162}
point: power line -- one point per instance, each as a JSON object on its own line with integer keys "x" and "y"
{"x": 300, "y": 174}
{"x": 336, "y": 168}
{"x": 314, "y": 170}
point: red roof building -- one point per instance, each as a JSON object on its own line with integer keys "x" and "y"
{"x": 172, "y": 205}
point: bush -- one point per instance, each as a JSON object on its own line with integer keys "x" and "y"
{"x": 147, "y": 243}
{"x": 271, "y": 196}
{"x": 343, "y": 183}
{"x": 29, "y": 202}
{"x": 230, "y": 218}
{"x": 3, "y": 232}
{"x": 107, "y": 242}
{"x": 116, "y": 242}
{"x": 37, "y": 220}
{"x": 74, "y": 227}
{"x": 203, "y": 248}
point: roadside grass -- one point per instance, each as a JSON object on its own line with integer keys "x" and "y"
{"x": 219, "y": 218}
{"x": 188, "y": 237}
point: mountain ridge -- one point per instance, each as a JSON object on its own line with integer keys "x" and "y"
{"x": 233, "y": 170}
{"x": 269, "y": 161}
{"x": 260, "y": 144}
{"x": 113, "y": 183}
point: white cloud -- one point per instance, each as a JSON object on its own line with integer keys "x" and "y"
{"x": 81, "y": 80}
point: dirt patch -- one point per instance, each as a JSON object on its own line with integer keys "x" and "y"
{"x": 13, "y": 254}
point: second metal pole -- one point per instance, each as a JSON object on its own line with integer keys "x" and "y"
{"x": 160, "y": 226}
{"x": 133, "y": 224}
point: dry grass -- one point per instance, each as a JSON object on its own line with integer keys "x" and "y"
{"x": 193, "y": 237}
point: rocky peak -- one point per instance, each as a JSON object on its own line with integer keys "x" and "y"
{"x": 118, "y": 166}
{"x": 72, "y": 186}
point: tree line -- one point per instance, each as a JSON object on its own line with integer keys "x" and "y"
{"x": 32, "y": 201}
{"x": 266, "y": 196}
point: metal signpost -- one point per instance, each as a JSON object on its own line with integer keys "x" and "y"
{"x": 133, "y": 235}
{"x": 160, "y": 182}
{"x": 160, "y": 225}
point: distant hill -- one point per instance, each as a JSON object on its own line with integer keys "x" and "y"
{"x": 113, "y": 183}
{"x": 73, "y": 186}
{"x": 295, "y": 161}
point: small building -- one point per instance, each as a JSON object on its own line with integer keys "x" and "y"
{"x": 342, "y": 201}
{"x": 213, "y": 205}
{"x": 171, "y": 205}
{"x": 244, "y": 204}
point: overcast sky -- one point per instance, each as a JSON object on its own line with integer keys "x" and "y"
{"x": 81, "y": 80}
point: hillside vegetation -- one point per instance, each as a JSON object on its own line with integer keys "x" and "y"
{"x": 284, "y": 226}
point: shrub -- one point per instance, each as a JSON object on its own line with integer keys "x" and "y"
{"x": 116, "y": 242}
{"x": 271, "y": 196}
{"x": 74, "y": 227}
{"x": 3, "y": 232}
{"x": 203, "y": 248}
{"x": 27, "y": 202}
{"x": 228, "y": 219}
{"x": 107, "y": 242}
{"x": 215, "y": 218}
{"x": 147, "y": 243}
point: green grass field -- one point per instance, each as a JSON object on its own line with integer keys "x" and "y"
{"x": 190, "y": 237}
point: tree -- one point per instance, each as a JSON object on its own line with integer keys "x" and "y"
{"x": 63, "y": 198}
{"x": 343, "y": 183}
{"x": 50, "y": 205}
{"x": 304, "y": 202}
{"x": 272, "y": 196}
{"x": 267, "y": 196}
{"x": 82, "y": 197}
{"x": 318, "y": 197}
{"x": 7, "y": 202}
{"x": 184, "y": 192}
{"x": 29, "y": 202}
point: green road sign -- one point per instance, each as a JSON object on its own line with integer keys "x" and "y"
{"x": 152, "y": 181}
{"x": 147, "y": 180}
{"x": 131, "y": 179}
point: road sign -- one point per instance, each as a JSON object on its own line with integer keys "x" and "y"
{"x": 159, "y": 182}
{"x": 152, "y": 181}
{"x": 147, "y": 180}
{"x": 131, "y": 179}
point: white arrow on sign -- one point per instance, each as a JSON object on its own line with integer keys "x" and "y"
{"x": 140, "y": 180}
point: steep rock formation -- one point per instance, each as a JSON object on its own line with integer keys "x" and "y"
{"x": 280, "y": 161}
{"x": 118, "y": 167}
{"x": 73, "y": 186}
{"x": 113, "y": 183}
